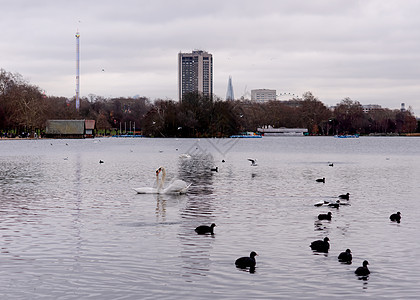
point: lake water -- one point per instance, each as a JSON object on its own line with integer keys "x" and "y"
{"x": 72, "y": 228}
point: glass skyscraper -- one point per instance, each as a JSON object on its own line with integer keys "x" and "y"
{"x": 229, "y": 93}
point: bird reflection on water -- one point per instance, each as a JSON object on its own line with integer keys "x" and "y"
{"x": 197, "y": 209}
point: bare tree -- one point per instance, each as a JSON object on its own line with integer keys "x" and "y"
{"x": 349, "y": 116}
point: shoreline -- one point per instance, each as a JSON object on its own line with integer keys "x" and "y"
{"x": 44, "y": 138}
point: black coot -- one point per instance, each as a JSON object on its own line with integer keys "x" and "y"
{"x": 203, "y": 229}
{"x": 363, "y": 271}
{"x": 321, "y": 245}
{"x": 396, "y": 217}
{"x": 325, "y": 216}
{"x": 246, "y": 262}
{"x": 345, "y": 257}
{"x": 345, "y": 196}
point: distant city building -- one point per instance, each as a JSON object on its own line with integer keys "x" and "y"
{"x": 195, "y": 73}
{"x": 370, "y": 107}
{"x": 263, "y": 95}
{"x": 229, "y": 93}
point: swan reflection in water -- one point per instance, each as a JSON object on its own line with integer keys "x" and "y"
{"x": 175, "y": 187}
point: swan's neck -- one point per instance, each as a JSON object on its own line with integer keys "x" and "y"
{"x": 162, "y": 181}
{"x": 163, "y": 174}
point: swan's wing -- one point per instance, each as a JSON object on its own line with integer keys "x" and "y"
{"x": 184, "y": 190}
{"x": 177, "y": 187}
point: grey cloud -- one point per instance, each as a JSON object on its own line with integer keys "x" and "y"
{"x": 367, "y": 50}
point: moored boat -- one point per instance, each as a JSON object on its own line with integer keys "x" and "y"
{"x": 247, "y": 135}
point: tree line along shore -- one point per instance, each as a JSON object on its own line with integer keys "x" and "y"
{"x": 25, "y": 109}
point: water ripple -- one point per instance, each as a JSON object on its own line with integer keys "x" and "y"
{"x": 74, "y": 229}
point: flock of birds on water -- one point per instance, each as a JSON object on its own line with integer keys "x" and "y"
{"x": 322, "y": 246}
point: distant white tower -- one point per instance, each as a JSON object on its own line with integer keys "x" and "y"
{"x": 229, "y": 94}
{"x": 77, "y": 71}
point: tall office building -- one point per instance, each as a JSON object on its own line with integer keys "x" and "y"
{"x": 195, "y": 73}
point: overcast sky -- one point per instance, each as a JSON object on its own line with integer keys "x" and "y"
{"x": 367, "y": 50}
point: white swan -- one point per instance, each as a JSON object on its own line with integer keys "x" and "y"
{"x": 149, "y": 190}
{"x": 175, "y": 187}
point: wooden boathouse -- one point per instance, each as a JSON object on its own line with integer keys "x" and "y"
{"x": 70, "y": 129}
